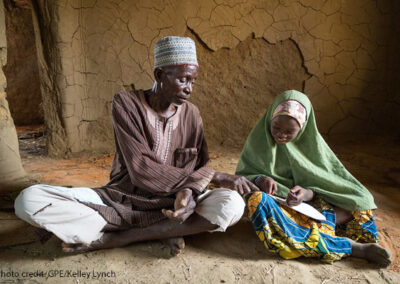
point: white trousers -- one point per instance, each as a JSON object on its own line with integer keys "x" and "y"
{"x": 58, "y": 210}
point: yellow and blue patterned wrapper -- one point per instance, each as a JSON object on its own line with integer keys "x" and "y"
{"x": 292, "y": 234}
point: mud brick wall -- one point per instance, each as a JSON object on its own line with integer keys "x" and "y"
{"x": 343, "y": 54}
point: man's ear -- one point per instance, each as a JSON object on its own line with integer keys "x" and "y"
{"x": 158, "y": 74}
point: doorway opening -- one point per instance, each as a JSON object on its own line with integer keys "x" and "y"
{"x": 22, "y": 74}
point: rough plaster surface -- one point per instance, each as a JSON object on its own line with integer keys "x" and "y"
{"x": 231, "y": 102}
{"x": 342, "y": 53}
{"x": 23, "y": 87}
{"x": 11, "y": 172}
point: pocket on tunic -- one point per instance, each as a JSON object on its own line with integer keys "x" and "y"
{"x": 185, "y": 157}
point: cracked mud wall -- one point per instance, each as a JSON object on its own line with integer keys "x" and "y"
{"x": 341, "y": 53}
{"x": 23, "y": 88}
{"x": 236, "y": 86}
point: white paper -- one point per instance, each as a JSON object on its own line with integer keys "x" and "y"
{"x": 303, "y": 208}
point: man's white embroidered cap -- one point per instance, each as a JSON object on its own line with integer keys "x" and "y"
{"x": 174, "y": 50}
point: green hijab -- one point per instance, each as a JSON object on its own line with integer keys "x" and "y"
{"x": 306, "y": 161}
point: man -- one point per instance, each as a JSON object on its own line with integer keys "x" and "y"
{"x": 158, "y": 181}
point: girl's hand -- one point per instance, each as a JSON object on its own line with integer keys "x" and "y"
{"x": 299, "y": 194}
{"x": 266, "y": 184}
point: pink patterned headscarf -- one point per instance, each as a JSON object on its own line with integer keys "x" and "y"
{"x": 293, "y": 109}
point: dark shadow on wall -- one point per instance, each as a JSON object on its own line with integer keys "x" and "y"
{"x": 376, "y": 111}
{"x": 22, "y": 73}
{"x": 387, "y": 117}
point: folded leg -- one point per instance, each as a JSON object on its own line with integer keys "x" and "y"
{"x": 60, "y": 213}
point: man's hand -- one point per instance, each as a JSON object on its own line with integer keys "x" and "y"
{"x": 237, "y": 183}
{"x": 299, "y": 194}
{"x": 183, "y": 206}
{"x": 266, "y": 184}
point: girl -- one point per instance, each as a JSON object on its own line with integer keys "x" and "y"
{"x": 286, "y": 155}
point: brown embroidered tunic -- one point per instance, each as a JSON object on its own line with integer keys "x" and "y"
{"x": 155, "y": 158}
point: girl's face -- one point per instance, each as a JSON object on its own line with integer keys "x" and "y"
{"x": 284, "y": 129}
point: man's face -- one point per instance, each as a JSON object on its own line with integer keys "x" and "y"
{"x": 177, "y": 82}
{"x": 284, "y": 129}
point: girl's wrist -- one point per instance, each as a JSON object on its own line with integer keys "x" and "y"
{"x": 310, "y": 194}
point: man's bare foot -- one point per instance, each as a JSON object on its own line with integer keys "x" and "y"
{"x": 371, "y": 252}
{"x": 75, "y": 248}
{"x": 176, "y": 245}
{"x": 106, "y": 241}
{"x": 167, "y": 229}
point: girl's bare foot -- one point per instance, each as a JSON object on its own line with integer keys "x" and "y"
{"x": 371, "y": 252}
{"x": 176, "y": 245}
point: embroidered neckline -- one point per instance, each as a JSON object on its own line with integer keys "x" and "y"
{"x": 163, "y": 135}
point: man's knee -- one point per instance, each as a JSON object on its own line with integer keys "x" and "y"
{"x": 28, "y": 202}
{"x": 222, "y": 207}
{"x": 234, "y": 205}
